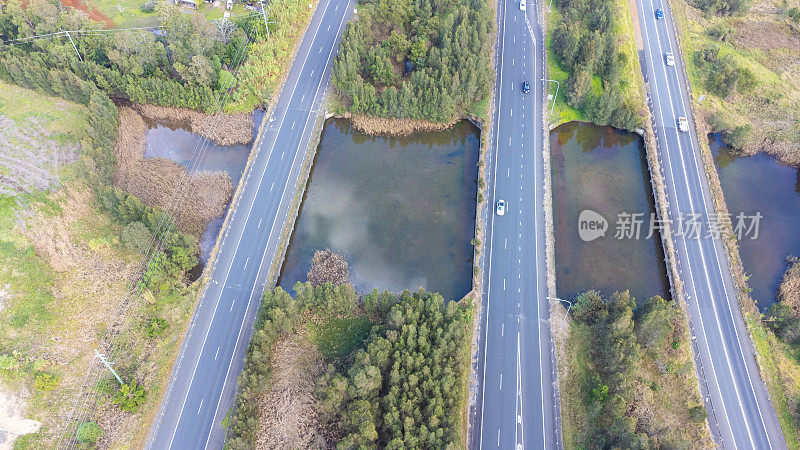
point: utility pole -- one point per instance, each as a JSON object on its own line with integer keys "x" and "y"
{"x": 108, "y": 365}
{"x": 264, "y": 14}
{"x": 73, "y": 45}
{"x": 565, "y": 315}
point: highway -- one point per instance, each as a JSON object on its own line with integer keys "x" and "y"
{"x": 516, "y": 400}
{"x": 740, "y": 412}
{"x": 203, "y": 382}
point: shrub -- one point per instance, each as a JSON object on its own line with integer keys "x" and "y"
{"x": 721, "y": 32}
{"x": 155, "y": 326}
{"x": 723, "y": 7}
{"x": 89, "y": 432}
{"x": 148, "y": 6}
{"x": 130, "y": 397}
{"x": 697, "y": 414}
{"x": 136, "y": 237}
{"x": 45, "y": 382}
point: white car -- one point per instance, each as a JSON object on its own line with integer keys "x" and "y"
{"x": 522, "y": 5}
{"x": 670, "y": 59}
{"x": 683, "y": 124}
{"x": 501, "y": 207}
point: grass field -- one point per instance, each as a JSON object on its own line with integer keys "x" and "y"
{"x": 767, "y": 42}
{"x": 64, "y": 271}
{"x": 561, "y": 112}
{"x": 39, "y": 139}
{"x": 337, "y": 337}
{"x": 128, "y": 13}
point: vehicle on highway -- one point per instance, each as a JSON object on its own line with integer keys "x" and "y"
{"x": 670, "y": 59}
{"x": 526, "y": 87}
{"x": 683, "y": 124}
{"x": 659, "y": 14}
{"x": 522, "y": 5}
{"x": 501, "y": 207}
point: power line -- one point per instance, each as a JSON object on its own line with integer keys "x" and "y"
{"x": 165, "y": 230}
{"x": 83, "y": 31}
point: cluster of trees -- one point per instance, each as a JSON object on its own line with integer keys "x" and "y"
{"x": 278, "y": 316}
{"x": 585, "y": 45}
{"x": 783, "y": 317}
{"x": 724, "y": 75}
{"x": 620, "y": 335}
{"x": 722, "y": 7}
{"x": 419, "y": 59}
{"x": 407, "y": 386}
{"x": 186, "y": 66}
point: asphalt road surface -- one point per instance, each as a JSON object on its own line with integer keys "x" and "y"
{"x": 203, "y": 383}
{"x": 740, "y": 413}
{"x": 516, "y": 399}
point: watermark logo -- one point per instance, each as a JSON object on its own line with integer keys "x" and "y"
{"x": 591, "y": 225}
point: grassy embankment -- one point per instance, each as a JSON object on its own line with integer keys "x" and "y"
{"x": 396, "y": 371}
{"x": 628, "y": 83}
{"x": 630, "y": 376}
{"x": 748, "y": 68}
{"x": 65, "y": 270}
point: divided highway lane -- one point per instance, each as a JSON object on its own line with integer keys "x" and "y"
{"x": 516, "y": 397}
{"x": 203, "y": 383}
{"x": 740, "y": 412}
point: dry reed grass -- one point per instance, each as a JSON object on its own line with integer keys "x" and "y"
{"x": 395, "y": 127}
{"x": 155, "y": 180}
{"x": 227, "y": 129}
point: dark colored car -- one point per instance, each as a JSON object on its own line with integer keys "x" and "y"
{"x": 526, "y": 87}
{"x": 659, "y": 14}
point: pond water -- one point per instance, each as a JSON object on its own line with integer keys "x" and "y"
{"x": 171, "y": 140}
{"x": 400, "y": 210}
{"x": 602, "y": 169}
{"x": 754, "y": 184}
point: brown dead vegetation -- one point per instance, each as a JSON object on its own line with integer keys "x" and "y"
{"x": 766, "y": 35}
{"x": 155, "y": 180}
{"x": 394, "y": 127}
{"x": 224, "y": 129}
{"x": 789, "y": 290}
{"x": 288, "y": 414}
{"x": 84, "y": 271}
{"x": 328, "y": 267}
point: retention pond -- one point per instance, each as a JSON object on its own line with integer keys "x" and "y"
{"x": 400, "y": 210}
{"x": 603, "y": 170}
{"x": 759, "y": 184}
{"x": 171, "y": 140}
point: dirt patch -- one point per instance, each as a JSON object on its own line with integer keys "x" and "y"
{"x": 288, "y": 415}
{"x": 224, "y": 129}
{"x": 394, "y": 127}
{"x": 155, "y": 180}
{"x": 13, "y": 423}
{"x": 93, "y": 14}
